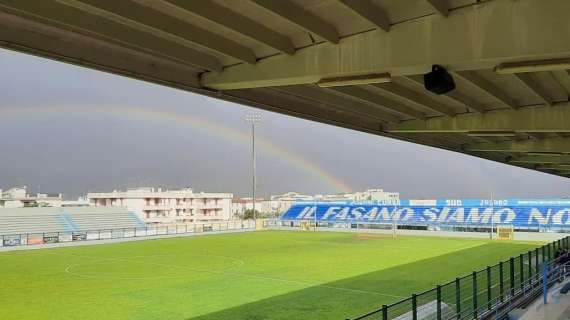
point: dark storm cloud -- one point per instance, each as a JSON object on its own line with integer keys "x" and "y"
{"x": 75, "y": 152}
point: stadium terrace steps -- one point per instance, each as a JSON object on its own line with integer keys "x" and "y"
{"x": 137, "y": 220}
{"x": 554, "y": 217}
{"x": 68, "y": 219}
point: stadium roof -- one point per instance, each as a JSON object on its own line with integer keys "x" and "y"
{"x": 509, "y": 60}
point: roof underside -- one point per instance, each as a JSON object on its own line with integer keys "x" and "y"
{"x": 271, "y": 54}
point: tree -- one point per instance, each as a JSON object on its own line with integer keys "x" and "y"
{"x": 248, "y": 214}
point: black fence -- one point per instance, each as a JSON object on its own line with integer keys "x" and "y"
{"x": 36, "y": 238}
{"x": 482, "y": 293}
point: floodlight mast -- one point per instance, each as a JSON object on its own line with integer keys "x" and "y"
{"x": 253, "y": 118}
{"x": 492, "y": 215}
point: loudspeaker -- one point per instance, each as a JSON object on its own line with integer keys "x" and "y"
{"x": 438, "y": 81}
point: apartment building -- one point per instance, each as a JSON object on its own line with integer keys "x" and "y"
{"x": 18, "y": 197}
{"x": 155, "y": 205}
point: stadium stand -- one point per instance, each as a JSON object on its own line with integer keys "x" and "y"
{"x": 51, "y": 220}
{"x": 88, "y": 218}
{"x": 550, "y": 217}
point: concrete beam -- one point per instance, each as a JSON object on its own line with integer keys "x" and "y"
{"x": 490, "y": 33}
{"x": 337, "y": 101}
{"x": 370, "y": 97}
{"x": 272, "y": 100}
{"x": 528, "y": 80}
{"x": 534, "y": 135}
{"x": 368, "y": 11}
{"x": 565, "y": 81}
{"x": 415, "y": 97}
{"x": 552, "y": 159}
{"x": 300, "y": 17}
{"x": 527, "y": 119}
{"x": 558, "y": 167}
{"x": 441, "y": 6}
{"x": 231, "y": 20}
{"x": 487, "y": 87}
{"x": 20, "y": 34}
{"x": 72, "y": 19}
{"x": 544, "y": 145}
{"x": 151, "y": 21}
{"x": 467, "y": 101}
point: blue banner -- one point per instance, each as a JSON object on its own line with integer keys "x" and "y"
{"x": 516, "y": 215}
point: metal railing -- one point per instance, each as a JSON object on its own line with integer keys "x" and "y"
{"x": 23, "y": 239}
{"x": 491, "y": 292}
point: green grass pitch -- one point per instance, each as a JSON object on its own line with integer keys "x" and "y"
{"x": 256, "y": 275}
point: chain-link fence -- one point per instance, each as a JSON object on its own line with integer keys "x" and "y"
{"x": 481, "y": 293}
{"x": 22, "y": 239}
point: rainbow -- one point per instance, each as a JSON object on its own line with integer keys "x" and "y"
{"x": 210, "y": 127}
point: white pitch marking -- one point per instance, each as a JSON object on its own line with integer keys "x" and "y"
{"x": 223, "y": 272}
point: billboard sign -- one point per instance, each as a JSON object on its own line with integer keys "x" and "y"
{"x": 517, "y": 215}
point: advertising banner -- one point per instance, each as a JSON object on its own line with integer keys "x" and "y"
{"x": 516, "y": 215}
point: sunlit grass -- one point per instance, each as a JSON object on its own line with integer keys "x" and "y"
{"x": 261, "y": 275}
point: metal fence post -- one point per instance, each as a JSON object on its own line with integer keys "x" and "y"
{"x": 414, "y": 307}
{"x": 458, "y": 298}
{"x": 545, "y": 282}
{"x": 530, "y": 265}
{"x": 549, "y": 251}
{"x": 501, "y": 281}
{"x": 474, "y": 294}
{"x": 384, "y": 312}
{"x": 438, "y": 293}
{"x": 512, "y": 275}
{"x": 488, "y": 288}
{"x": 521, "y": 265}
{"x": 536, "y": 260}
{"x": 543, "y": 253}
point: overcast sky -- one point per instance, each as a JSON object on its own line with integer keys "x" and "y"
{"x": 69, "y": 129}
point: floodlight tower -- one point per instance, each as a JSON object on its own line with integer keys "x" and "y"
{"x": 492, "y": 215}
{"x": 253, "y": 118}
